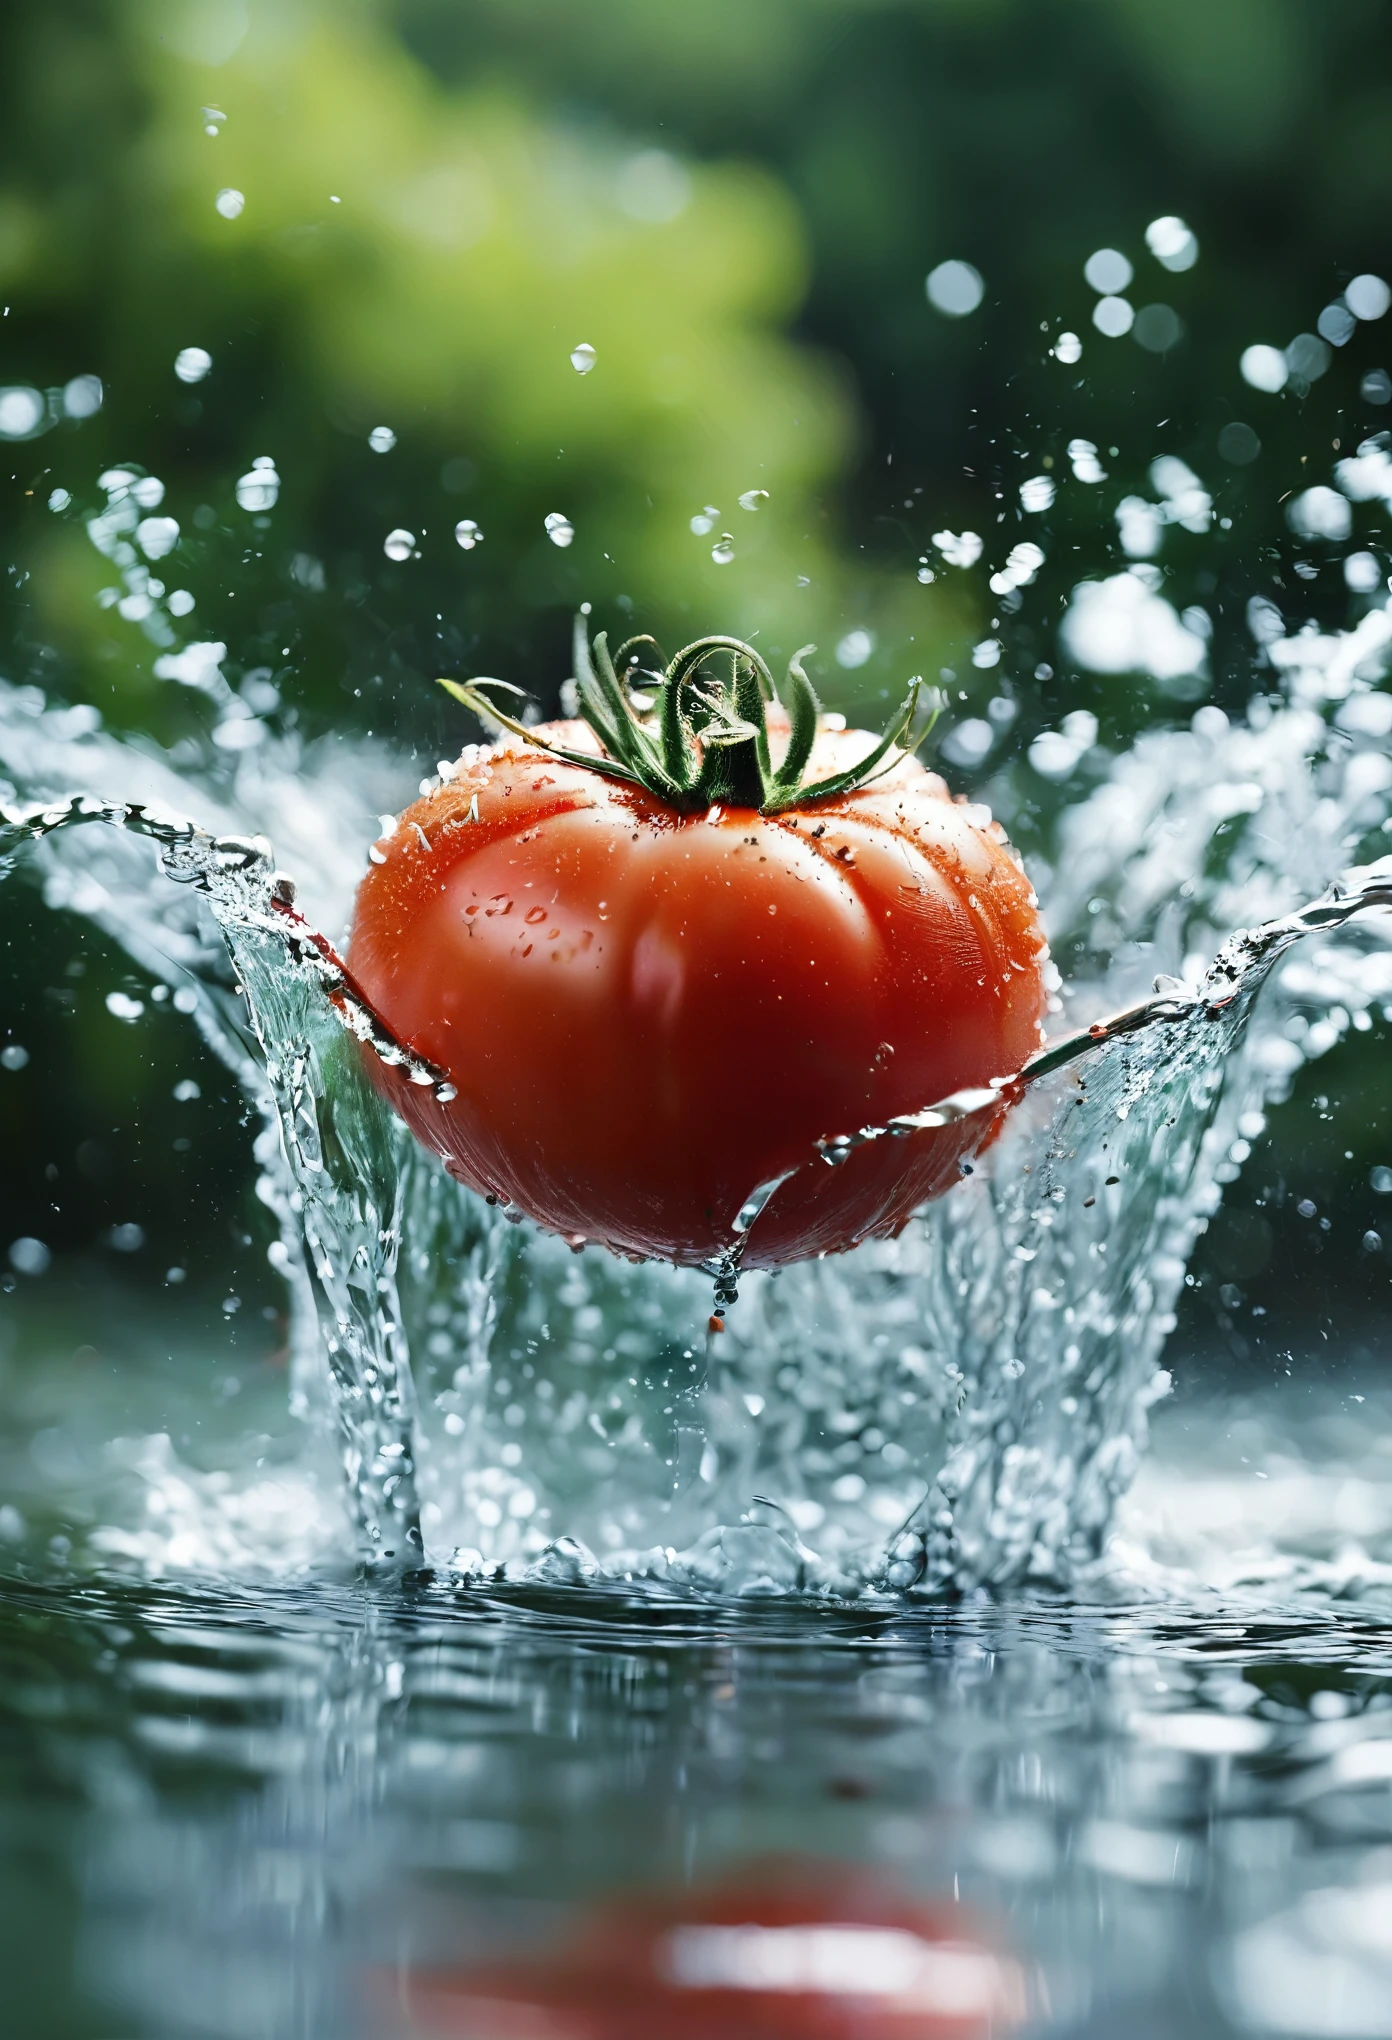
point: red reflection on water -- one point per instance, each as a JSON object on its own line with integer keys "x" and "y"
{"x": 779, "y": 1952}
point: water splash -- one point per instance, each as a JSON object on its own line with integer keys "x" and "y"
{"x": 964, "y": 1403}
{"x": 275, "y": 1027}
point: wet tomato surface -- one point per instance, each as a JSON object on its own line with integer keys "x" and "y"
{"x": 646, "y": 1013}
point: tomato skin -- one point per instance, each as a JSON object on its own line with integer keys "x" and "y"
{"x": 646, "y": 1015}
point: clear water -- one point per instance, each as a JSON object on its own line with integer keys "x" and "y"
{"x": 534, "y": 1590}
{"x": 960, "y": 1407}
{"x": 318, "y": 1811}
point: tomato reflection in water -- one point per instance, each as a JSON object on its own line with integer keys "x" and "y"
{"x": 783, "y": 1953}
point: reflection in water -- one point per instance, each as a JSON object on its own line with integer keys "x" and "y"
{"x": 318, "y": 1814}
{"x": 784, "y": 1948}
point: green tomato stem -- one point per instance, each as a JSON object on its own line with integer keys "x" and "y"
{"x": 706, "y": 743}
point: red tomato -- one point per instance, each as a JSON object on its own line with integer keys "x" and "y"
{"x": 785, "y": 1951}
{"x": 660, "y": 959}
{"x": 646, "y": 1013}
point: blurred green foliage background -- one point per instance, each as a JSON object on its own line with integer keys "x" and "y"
{"x": 736, "y": 206}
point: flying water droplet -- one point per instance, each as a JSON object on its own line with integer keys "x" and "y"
{"x": 1362, "y": 572}
{"x": 958, "y": 548}
{"x": 582, "y": 358}
{"x": 191, "y": 364}
{"x": 157, "y": 536}
{"x": 723, "y": 551}
{"x": 1264, "y": 368}
{"x": 213, "y": 117}
{"x": 1336, "y": 324}
{"x": 559, "y": 529}
{"x": 381, "y": 439}
{"x": 854, "y": 649}
{"x": 229, "y": 202}
{"x": 1367, "y": 297}
{"x": 399, "y": 544}
{"x": 752, "y": 498}
{"x": 1113, "y": 316}
{"x": 1108, "y": 271}
{"x": 1086, "y": 466}
{"x": 1308, "y": 357}
{"x": 1320, "y": 513}
{"x": 258, "y": 489}
{"x": 468, "y": 534}
{"x": 1172, "y": 243}
{"x": 705, "y": 520}
{"x": 1019, "y": 570}
{"x": 23, "y": 413}
{"x": 1037, "y": 493}
{"x": 82, "y": 397}
{"x": 29, "y": 1256}
{"x": 1068, "y": 348}
{"x": 955, "y": 289}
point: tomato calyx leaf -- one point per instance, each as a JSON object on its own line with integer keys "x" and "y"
{"x": 470, "y": 694}
{"x": 694, "y": 732}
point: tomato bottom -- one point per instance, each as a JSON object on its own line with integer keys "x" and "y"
{"x": 823, "y": 1207}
